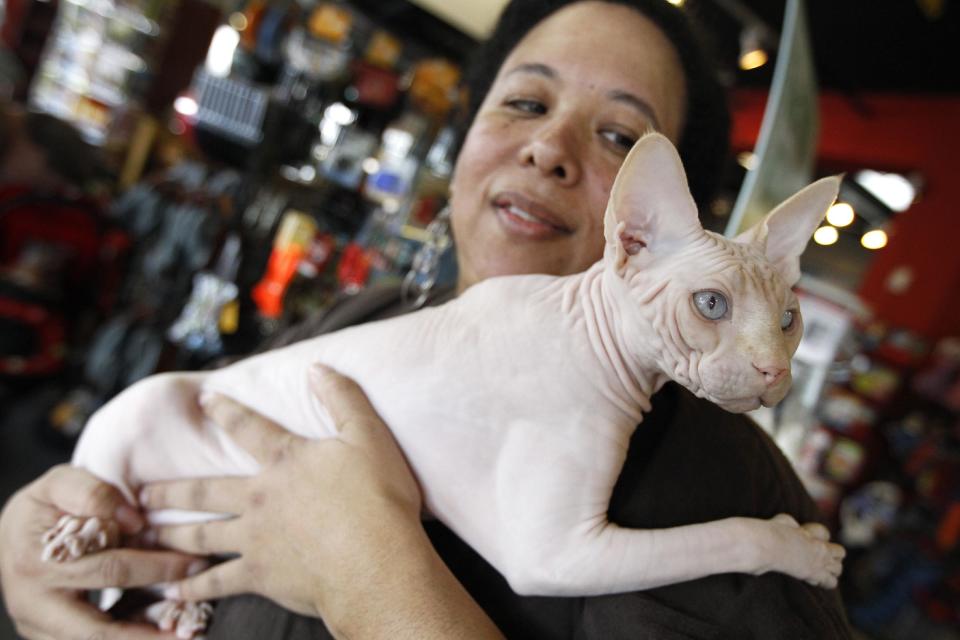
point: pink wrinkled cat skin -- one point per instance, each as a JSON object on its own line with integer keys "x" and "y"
{"x": 514, "y": 404}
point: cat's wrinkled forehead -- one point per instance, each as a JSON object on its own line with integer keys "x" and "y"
{"x": 743, "y": 264}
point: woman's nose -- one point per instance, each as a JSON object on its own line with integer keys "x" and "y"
{"x": 553, "y": 150}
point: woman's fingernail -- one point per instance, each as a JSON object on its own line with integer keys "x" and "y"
{"x": 318, "y": 370}
{"x": 196, "y": 567}
{"x": 172, "y": 592}
{"x": 129, "y": 518}
{"x": 317, "y": 373}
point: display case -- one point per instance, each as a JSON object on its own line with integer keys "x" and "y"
{"x": 98, "y": 61}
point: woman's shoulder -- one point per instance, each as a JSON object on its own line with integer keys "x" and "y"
{"x": 690, "y": 461}
{"x": 345, "y": 311}
{"x": 378, "y": 302}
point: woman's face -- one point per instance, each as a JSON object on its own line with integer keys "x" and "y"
{"x": 532, "y": 179}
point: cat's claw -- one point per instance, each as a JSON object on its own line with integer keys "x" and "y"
{"x": 186, "y": 619}
{"x": 74, "y": 537}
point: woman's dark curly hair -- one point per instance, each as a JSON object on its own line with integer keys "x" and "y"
{"x": 704, "y": 140}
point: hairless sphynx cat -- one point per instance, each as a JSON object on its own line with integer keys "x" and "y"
{"x": 514, "y": 403}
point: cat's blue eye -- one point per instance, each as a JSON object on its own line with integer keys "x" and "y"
{"x": 712, "y": 305}
{"x": 786, "y": 320}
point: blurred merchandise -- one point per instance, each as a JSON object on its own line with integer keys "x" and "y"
{"x": 353, "y": 269}
{"x": 844, "y": 461}
{"x": 25, "y": 27}
{"x": 291, "y": 244}
{"x": 397, "y": 161}
{"x": 939, "y": 380}
{"x": 199, "y": 326}
{"x": 97, "y": 60}
{"x": 330, "y": 22}
{"x": 59, "y": 261}
{"x": 878, "y": 383}
{"x": 434, "y": 88}
{"x": 845, "y": 411}
{"x": 868, "y": 512}
{"x": 314, "y": 284}
{"x": 230, "y": 107}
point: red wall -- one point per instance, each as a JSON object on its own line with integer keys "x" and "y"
{"x": 898, "y": 133}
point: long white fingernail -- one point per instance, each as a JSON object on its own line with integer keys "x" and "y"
{"x": 172, "y": 592}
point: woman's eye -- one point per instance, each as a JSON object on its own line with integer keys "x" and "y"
{"x": 622, "y": 140}
{"x": 786, "y": 320}
{"x": 528, "y": 106}
{"x": 712, "y": 305}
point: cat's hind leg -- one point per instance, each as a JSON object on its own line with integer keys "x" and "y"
{"x": 74, "y": 537}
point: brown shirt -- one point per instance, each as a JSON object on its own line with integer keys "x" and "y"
{"x": 688, "y": 462}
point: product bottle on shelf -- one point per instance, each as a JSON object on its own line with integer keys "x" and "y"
{"x": 290, "y": 245}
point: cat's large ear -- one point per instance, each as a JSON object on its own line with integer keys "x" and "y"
{"x": 785, "y": 231}
{"x": 650, "y": 205}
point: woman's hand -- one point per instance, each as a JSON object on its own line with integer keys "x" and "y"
{"x": 297, "y": 520}
{"x": 328, "y": 528}
{"x": 47, "y": 600}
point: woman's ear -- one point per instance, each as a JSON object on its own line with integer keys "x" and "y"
{"x": 650, "y": 206}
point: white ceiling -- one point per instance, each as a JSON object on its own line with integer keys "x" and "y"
{"x": 474, "y": 17}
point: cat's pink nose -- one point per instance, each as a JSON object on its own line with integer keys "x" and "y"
{"x": 771, "y": 375}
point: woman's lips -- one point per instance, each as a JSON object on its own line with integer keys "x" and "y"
{"x": 525, "y": 217}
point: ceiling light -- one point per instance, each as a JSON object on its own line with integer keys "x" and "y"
{"x": 840, "y": 215}
{"x": 892, "y": 189}
{"x": 752, "y": 53}
{"x": 825, "y": 235}
{"x": 875, "y": 239}
{"x": 676, "y": 3}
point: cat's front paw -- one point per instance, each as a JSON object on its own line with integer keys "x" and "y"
{"x": 805, "y": 551}
{"x": 186, "y": 619}
{"x": 74, "y": 537}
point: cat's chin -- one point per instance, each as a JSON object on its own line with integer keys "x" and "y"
{"x": 773, "y": 398}
{"x": 740, "y": 405}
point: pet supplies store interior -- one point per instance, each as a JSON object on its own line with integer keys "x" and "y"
{"x": 227, "y": 168}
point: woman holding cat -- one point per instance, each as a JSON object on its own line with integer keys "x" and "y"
{"x": 564, "y": 88}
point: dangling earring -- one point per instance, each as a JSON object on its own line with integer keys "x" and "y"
{"x": 423, "y": 273}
